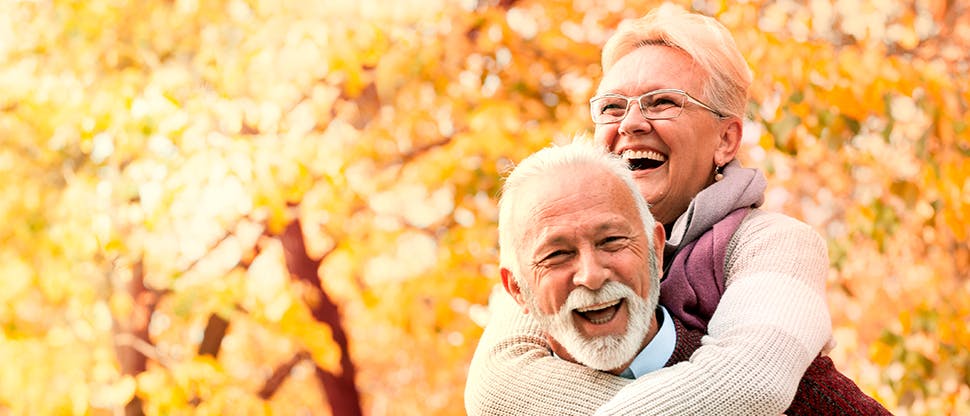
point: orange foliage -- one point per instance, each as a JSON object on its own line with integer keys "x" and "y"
{"x": 156, "y": 156}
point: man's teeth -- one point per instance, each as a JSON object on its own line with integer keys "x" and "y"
{"x": 598, "y": 307}
{"x": 643, "y": 154}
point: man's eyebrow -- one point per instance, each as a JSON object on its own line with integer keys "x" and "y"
{"x": 549, "y": 239}
{"x": 559, "y": 238}
{"x": 615, "y": 224}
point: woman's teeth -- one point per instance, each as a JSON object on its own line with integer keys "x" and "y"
{"x": 643, "y": 154}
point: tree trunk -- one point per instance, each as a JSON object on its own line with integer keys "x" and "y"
{"x": 340, "y": 389}
{"x": 131, "y": 336}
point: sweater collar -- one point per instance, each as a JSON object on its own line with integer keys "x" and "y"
{"x": 740, "y": 187}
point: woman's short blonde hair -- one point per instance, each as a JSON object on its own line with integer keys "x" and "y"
{"x": 703, "y": 38}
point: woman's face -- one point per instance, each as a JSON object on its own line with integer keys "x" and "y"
{"x": 672, "y": 159}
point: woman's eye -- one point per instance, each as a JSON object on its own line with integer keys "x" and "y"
{"x": 612, "y": 108}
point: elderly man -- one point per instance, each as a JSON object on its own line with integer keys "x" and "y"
{"x": 580, "y": 251}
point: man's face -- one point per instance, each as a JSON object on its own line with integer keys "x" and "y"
{"x": 672, "y": 159}
{"x": 583, "y": 255}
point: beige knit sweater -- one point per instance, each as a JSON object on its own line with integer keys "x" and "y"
{"x": 770, "y": 324}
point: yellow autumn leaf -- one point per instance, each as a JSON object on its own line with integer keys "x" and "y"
{"x": 880, "y": 353}
{"x": 316, "y": 337}
{"x": 114, "y": 394}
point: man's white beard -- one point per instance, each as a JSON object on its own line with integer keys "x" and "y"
{"x": 603, "y": 353}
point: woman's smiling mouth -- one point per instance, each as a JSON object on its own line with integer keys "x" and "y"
{"x": 643, "y": 159}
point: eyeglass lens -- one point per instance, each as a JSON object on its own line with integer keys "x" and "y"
{"x": 656, "y": 106}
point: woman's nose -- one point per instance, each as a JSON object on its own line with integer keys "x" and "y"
{"x": 633, "y": 121}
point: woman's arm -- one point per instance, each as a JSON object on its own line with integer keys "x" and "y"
{"x": 770, "y": 324}
{"x": 514, "y": 373}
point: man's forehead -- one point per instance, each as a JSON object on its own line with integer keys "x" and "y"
{"x": 595, "y": 201}
{"x": 553, "y": 232}
{"x": 540, "y": 192}
{"x": 551, "y": 192}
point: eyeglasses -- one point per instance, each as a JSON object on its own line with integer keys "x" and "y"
{"x": 662, "y": 104}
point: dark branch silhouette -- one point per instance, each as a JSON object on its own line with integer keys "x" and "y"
{"x": 134, "y": 333}
{"x": 340, "y": 389}
{"x": 215, "y": 331}
{"x": 279, "y": 375}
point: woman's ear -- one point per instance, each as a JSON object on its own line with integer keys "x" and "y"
{"x": 730, "y": 141}
{"x": 512, "y": 287}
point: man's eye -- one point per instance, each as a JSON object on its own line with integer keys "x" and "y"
{"x": 555, "y": 257}
{"x": 613, "y": 243}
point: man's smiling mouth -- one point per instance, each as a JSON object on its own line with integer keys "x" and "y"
{"x": 601, "y": 313}
{"x": 643, "y": 159}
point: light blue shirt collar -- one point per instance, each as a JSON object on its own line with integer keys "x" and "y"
{"x": 657, "y": 352}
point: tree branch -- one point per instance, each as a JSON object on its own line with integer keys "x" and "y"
{"x": 279, "y": 375}
{"x": 215, "y": 331}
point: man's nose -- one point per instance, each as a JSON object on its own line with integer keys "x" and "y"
{"x": 591, "y": 272}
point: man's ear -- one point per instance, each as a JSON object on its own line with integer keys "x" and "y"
{"x": 659, "y": 240}
{"x": 730, "y": 141}
{"x": 512, "y": 287}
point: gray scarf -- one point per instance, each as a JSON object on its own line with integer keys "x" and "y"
{"x": 740, "y": 187}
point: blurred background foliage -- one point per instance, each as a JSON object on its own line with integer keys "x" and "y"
{"x": 256, "y": 206}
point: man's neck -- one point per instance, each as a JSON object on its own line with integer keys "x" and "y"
{"x": 655, "y": 321}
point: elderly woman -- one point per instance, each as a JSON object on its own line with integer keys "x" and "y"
{"x": 671, "y": 103}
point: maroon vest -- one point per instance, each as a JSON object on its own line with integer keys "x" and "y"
{"x": 693, "y": 300}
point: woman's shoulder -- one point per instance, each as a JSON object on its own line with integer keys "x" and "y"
{"x": 765, "y": 233}
{"x": 770, "y": 241}
{"x": 760, "y": 224}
